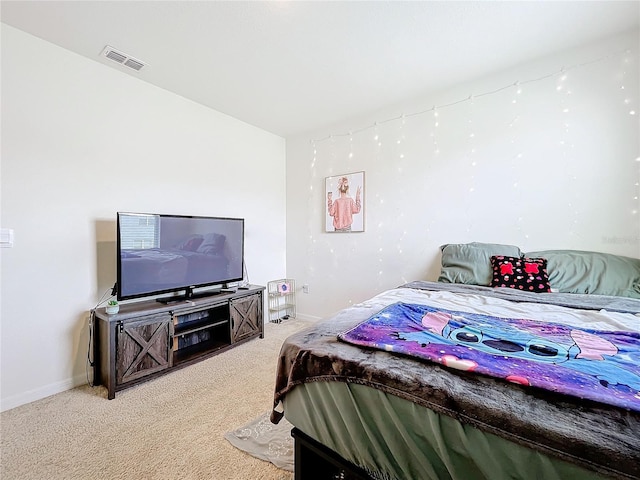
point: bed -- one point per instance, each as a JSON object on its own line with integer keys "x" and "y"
{"x": 372, "y": 397}
{"x": 192, "y": 261}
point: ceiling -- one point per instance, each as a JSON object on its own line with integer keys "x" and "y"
{"x": 293, "y": 66}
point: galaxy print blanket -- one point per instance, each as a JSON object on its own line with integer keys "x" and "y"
{"x": 588, "y": 364}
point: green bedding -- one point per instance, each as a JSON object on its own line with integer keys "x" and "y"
{"x": 393, "y": 438}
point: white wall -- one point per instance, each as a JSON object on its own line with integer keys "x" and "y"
{"x": 555, "y": 166}
{"x": 81, "y": 141}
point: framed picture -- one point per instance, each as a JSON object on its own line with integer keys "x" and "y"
{"x": 344, "y": 197}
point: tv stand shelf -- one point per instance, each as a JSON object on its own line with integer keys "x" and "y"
{"x": 147, "y": 339}
{"x": 194, "y": 329}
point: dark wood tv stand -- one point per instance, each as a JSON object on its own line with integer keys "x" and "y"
{"x": 146, "y": 339}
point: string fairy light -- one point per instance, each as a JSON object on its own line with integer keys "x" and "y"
{"x": 636, "y": 198}
{"x": 311, "y": 206}
{"x": 628, "y": 104}
{"x": 626, "y": 99}
{"x": 561, "y": 72}
{"x": 376, "y": 136}
{"x": 400, "y": 142}
{"x": 516, "y": 159}
{"x": 567, "y": 147}
{"x": 472, "y": 148}
{"x": 513, "y": 125}
{"x": 315, "y": 154}
{"x": 402, "y": 136}
{"x": 471, "y": 158}
{"x": 436, "y": 124}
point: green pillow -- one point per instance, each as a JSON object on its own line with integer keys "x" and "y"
{"x": 470, "y": 263}
{"x": 575, "y": 271}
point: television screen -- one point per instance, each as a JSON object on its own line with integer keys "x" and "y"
{"x": 169, "y": 253}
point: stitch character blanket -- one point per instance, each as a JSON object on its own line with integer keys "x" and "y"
{"x": 603, "y": 366}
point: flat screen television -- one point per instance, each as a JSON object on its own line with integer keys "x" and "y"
{"x": 158, "y": 253}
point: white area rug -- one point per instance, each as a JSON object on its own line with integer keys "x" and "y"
{"x": 266, "y": 441}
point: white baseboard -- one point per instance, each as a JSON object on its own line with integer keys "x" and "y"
{"x": 311, "y": 318}
{"x": 42, "y": 392}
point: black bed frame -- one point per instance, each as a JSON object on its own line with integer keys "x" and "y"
{"x": 314, "y": 461}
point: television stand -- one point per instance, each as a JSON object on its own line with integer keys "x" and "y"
{"x": 147, "y": 339}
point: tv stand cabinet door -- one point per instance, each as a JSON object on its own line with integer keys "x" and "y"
{"x": 143, "y": 347}
{"x": 246, "y": 317}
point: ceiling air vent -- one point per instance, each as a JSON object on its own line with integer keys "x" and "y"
{"x": 135, "y": 64}
{"x": 122, "y": 58}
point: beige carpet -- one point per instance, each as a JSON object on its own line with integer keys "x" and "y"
{"x": 172, "y": 427}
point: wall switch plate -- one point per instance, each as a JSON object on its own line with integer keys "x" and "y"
{"x": 305, "y": 288}
{"x": 6, "y": 237}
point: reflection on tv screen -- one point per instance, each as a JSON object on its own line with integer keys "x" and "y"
{"x": 162, "y": 253}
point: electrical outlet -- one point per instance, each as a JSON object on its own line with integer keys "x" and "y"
{"x": 305, "y": 288}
